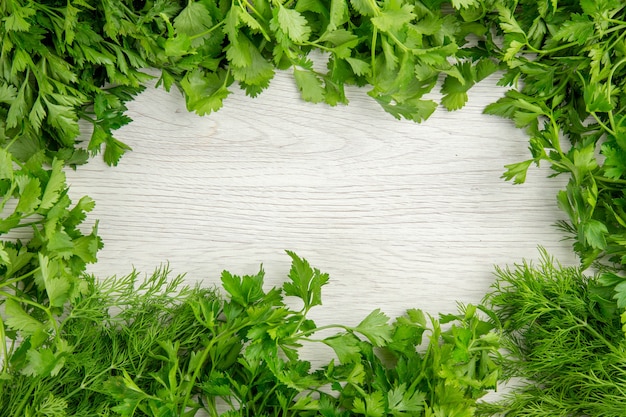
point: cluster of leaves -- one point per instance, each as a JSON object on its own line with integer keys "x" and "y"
{"x": 156, "y": 348}
{"x": 563, "y": 335}
{"x": 566, "y": 60}
{"x": 66, "y": 61}
{"x": 41, "y": 260}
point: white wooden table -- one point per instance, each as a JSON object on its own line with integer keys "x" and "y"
{"x": 400, "y": 214}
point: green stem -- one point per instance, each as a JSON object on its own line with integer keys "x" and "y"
{"x": 203, "y": 359}
{"x": 208, "y": 31}
{"x": 373, "y": 52}
{"x": 20, "y": 278}
{"x": 27, "y": 398}
{"x": 608, "y": 91}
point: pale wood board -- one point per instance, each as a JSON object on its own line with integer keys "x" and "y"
{"x": 401, "y": 215}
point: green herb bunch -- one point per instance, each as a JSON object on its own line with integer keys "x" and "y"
{"x": 564, "y": 339}
{"x": 43, "y": 254}
{"x": 567, "y": 63}
{"x": 154, "y": 347}
{"x": 62, "y": 62}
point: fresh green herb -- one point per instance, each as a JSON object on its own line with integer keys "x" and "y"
{"x": 66, "y": 61}
{"x": 157, "y": 348}
{"x": 564, "y": 338}
{"x": 567, "y": 62}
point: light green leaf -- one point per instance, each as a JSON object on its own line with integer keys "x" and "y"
{"x": 17, "y": 20}
{"x": 6, "y": 165}
{"x": 293, "y": 24}
{"x": 366, "y": 7}
{"x": 517, "y": 171}
{"x": 8, "y": 93}
{"x": 394, "y": 20}
{"x": 310, "y": 85}
{"x": 18, "y": 319}
{"x": 204, "y": 91}
{"x": 372, "y": 405}
{"x": 338, "y": 14}
{"x": 359, "y": 66}
{"x": 69, "y": 25}
{"x": 43, "y": 362}
{"x": 54, "y": 187}
{"x": 64, "y": 119}
{"x": 402, "y": 401}
{"x": 595, "y": 232}
{"x": 29, "y": 191}
{"x": 37, "y": 114}
{"x": 57, "y": 288}
{"x": 177, "y": 46}
{"x": 17, "y": 108}
{"x": 460, "y": 4}
{"x": 507, "y": 21}
{"x": 376, "y": 328}
{"x": 346, "y": 347}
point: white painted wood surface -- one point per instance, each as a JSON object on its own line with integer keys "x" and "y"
{"x": 400, "y": 214}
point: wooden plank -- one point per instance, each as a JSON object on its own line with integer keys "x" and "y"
{"x": 400, "y": 214}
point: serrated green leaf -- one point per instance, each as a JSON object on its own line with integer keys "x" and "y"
{"x": 578, "y": 29}
{"x": 37, "y": 114}
{"x": 244, "y": 290}
{"x": 376, "y": 328}
{"x": 293, "y": 24}
{"x": 359, "y": 66}
{"x": 459, "y": 4}
{"x": 371, "y": 405}
{"x": 18, "y": 319}
{"x": 615, "y": 162}
{"x": 17, "y": 20}
{"x": 54, "y": 187}
{"x": 6, "y": 165}
{"x": 306, "y": 283}
{"x": 517, "y": 171}
{"x": 42, "y": 363}
{"x": 17, "y": 109}
{"x": 508, "y": 23}
{"x": 595, "y": 233}
{"x": 58, "y": 241}
{"x": 620, "y": 294}
{"x": 177, "y": 46}
{"x": 417, "y": 110}
{"x": 64, "y": 120}
{"x": 365, "y": 7}
{"x": 57, "y": 287}
{"x": 29, "y": 191}
{"x": 401, "y": 401}
{"x": 194, "y": 20}
{"x": 346, "y": 347}
{"x": 393, "y": 20}
{"x": 310, "y": 85}
{"x": 204, "y": 91}
{"x": 8, "y": 93}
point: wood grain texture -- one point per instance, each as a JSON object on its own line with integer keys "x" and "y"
{"x": 400, "y": 214}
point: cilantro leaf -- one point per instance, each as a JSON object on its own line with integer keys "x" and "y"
{"x": 292, "y": 23}
{"x": 310, "y": 85}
